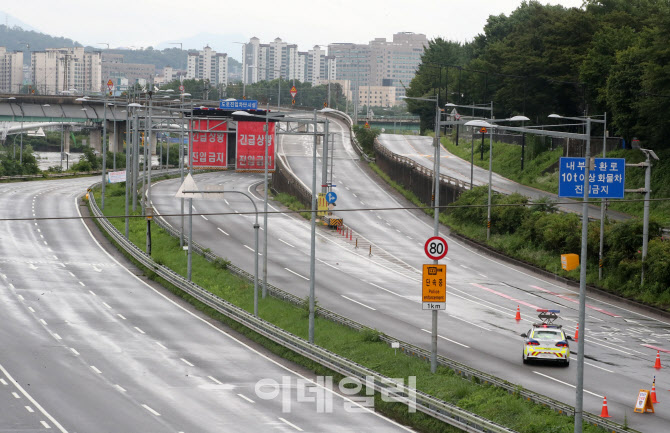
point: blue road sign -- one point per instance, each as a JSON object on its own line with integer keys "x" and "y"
{"x": 243, "y": 104}
{"x": 331, "y": 197}
{"x": 606, "y": 180}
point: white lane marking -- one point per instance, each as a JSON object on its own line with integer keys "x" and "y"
{"x": 463, "y": 266}
{"x": 120, "y": 388}
{"x": 73, "y": 350}
{"x": 32, "y": 310}
{"x": 282, "y": 240}
{"x": 445, "y": 338}
{"x": 45, "y": 424}
{"x": 151, "y": 410}
{"x": 355, "y": 195}
{"x": 566, "y": 383}
{"x": 82, "y": 284}
{"x": 597, "y": 366}
{"x": 359, "y": 303}
{"x": 139, "y": 330}
{"x": 483, "y": 275}
{"x": 249, "y": 248}
{"x": 92, "y": 293}
{"x": 55, "y": 257}
{"x": 222, "y": 231}
{"x": 94, "y": 368}
{"x": 57, "y": 337}
{"x": 246, "y": 398}
{"x": 2, "y": 381}
{"x": 42, "y": 236}
{"x": 107, "y": 305}
{"x": 71, "y": 273}
{"x": 378, "y": 216}
{"x": 215, "y": 380}
{"x": 471, "y": 323}
{"x": 291, "y": 424}
{"x": 29, "y": 409}
{"x": 21, "y": 297}
{"x": 347, "y": 188}
{"x": 15, "y": 394}
{"x": 328, "y": 264}
{"x": 161, "y": 345}
{"x": 45, "y": 243}
{"x": 397, "y": 230}
{"x": 43, "y": 322}
{"x": 121, "y": 316}
{"x": 186, "y": 362}
{"x": 387, "y": 290}
{"x": 232, "y": 338}
{"x": 226, "y": 202}
{"x": 295, "y": 273}
{"x": 204, "y": 217}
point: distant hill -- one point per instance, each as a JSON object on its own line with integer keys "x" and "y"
{"x": 15, "y": 39}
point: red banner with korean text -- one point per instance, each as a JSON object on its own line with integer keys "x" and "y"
{"x": 251, "y": 146}
{"x": 209, "y": 143}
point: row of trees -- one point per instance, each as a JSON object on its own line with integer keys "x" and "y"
{"x": 608, "y": 56}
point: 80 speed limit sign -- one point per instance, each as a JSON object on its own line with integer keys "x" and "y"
{"x": 436, "y": 248}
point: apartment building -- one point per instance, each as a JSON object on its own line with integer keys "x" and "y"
{"x": 381, "y": 62}
{"x": 63, "y": 70}
{"x": 11, "y": 71}
{"x": 114, "y": 68}
{"x": 266, "y": 62}
{"x": 208, "y": 65}
{"x": 377, "y": 96}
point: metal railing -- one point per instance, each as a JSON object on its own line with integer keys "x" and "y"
{"x": 425, "y": 403}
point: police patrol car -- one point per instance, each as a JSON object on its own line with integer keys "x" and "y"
{"x": 546, "y": 341}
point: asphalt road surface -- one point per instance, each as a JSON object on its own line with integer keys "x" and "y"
{"x": 382, "y": 290}
{"x": 87, "y": 346}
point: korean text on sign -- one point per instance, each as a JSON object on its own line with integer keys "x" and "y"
{"x": 238, "y": 105}
{"x": 251, "y": 142}
{"x": 606, "y": 180}
{"x": 209, "y": 143}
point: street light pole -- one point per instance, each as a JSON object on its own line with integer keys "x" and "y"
{"x": 312, "y": 267}
{"x": 104, "y": 152}
{"x": 265, "y": 204}
{"x": 603, "y": 208}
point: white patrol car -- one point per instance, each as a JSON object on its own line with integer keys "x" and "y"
{"x": 546, "y": 341}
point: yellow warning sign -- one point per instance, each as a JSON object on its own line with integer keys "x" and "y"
{"x": 322, "y": 210}
{"x": 643, "y": 403}
{"x": 434, "y": 287}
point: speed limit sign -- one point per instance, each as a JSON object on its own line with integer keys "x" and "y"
{"x": 436, "y": 248}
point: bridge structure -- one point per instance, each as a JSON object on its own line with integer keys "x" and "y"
{"x": 20, "y": 113}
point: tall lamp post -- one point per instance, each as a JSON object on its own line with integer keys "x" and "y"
{"x": 436, "y": 220}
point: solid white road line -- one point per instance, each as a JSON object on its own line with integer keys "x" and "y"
{"x": 282, "y": 240}
{"x": 151, "y": 410}
{"x": 359, "y": 303}
{"x": 295, "y": 273}
{"x": 596, "y": 366}
{"x": 445, "y": 338}
{"x": 246, "y": 398}
{"x": 565, "y": 383}
{"x": 291, "y": 424}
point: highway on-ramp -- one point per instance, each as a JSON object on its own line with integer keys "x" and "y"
{"x": 88, "y": 346}
{"x": 382, "y": 290}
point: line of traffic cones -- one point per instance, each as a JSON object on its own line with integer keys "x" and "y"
{"x": 518, "y": 314}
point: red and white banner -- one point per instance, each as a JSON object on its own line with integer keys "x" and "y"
{"x": 209, "y": 143}
{"x": 251, "y": 146}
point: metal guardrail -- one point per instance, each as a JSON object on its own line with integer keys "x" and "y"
{"x": 425, "y": 403}
{"x": 355, "y": 144}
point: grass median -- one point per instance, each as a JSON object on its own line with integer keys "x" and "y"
{"x": 364, "y": 348}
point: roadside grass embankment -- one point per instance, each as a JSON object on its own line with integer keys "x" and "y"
{"x": 364, "y": 348}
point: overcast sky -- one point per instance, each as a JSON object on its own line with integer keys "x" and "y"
{"x": 143, "y": 23}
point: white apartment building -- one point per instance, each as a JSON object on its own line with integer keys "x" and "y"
{"x": 377, "y": 96}
{"x": 266, "y": 62}
{"x": 58, "y": 70}
{"x": 11, "y": 71}
{"x": 208, "y": 65}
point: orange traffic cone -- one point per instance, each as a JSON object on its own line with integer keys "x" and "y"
{"x": 657, "y": 365}
{"x": 577, "y": 333}
{"x": 604, "y": 413}
{"x": 518, "y": 314}
{"x": 653, "y": 392}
